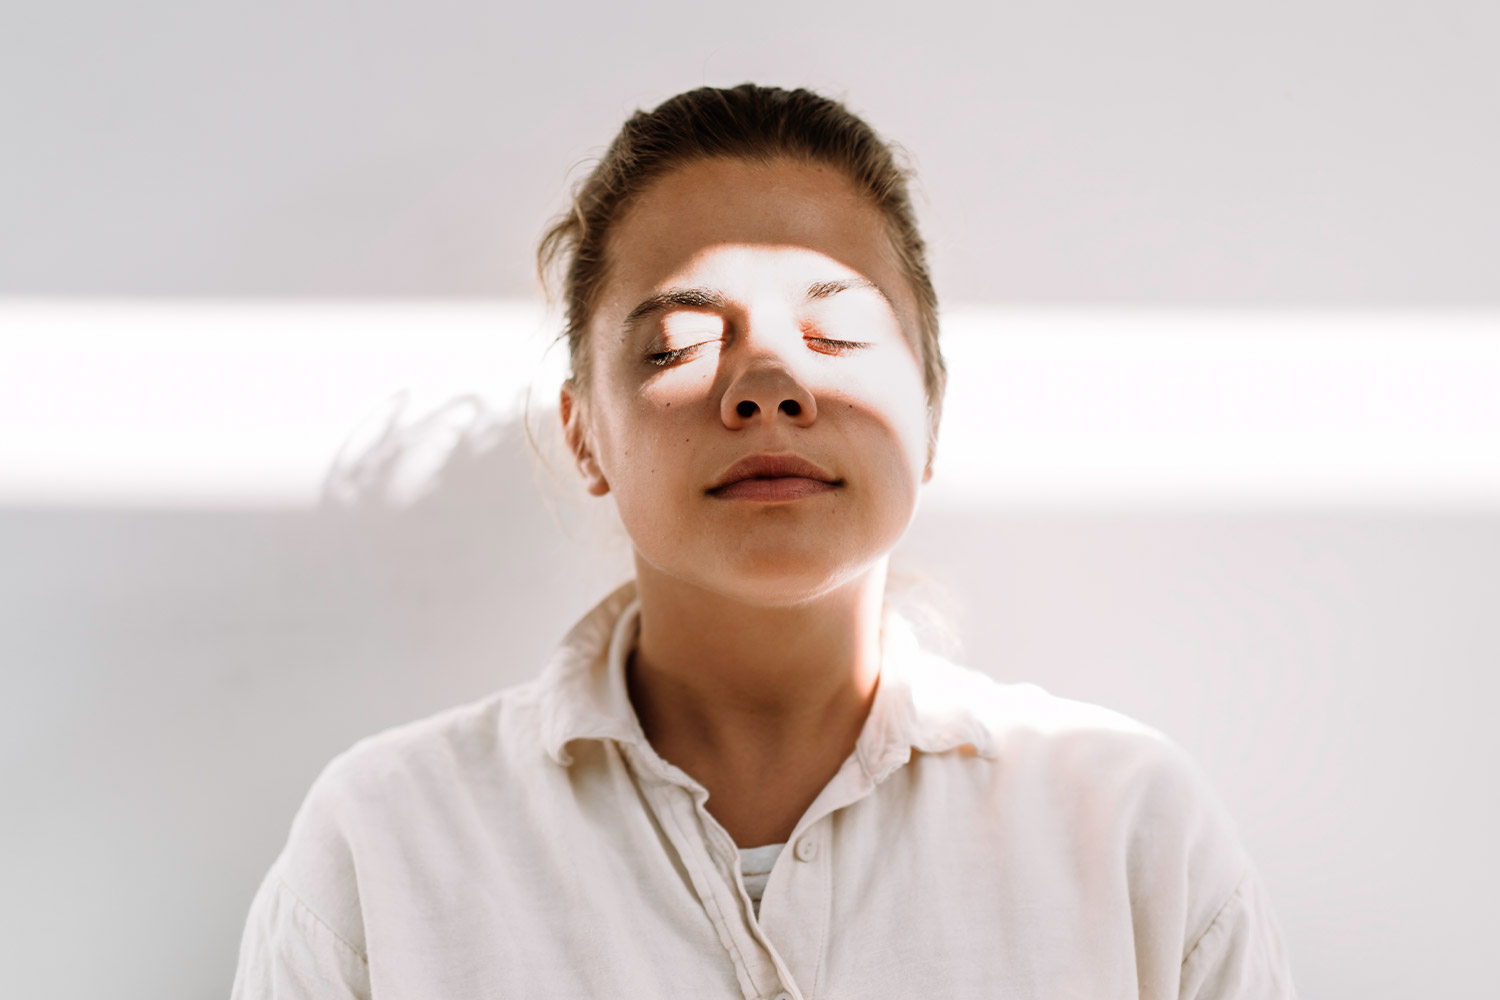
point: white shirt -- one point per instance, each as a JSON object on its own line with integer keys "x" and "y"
{"x": 983, "y": 840}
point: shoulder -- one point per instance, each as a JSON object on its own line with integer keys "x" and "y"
{"x": 1110, "y": 783}
{"x": 448, "y": 745}
{"x": 1024, "y": 725}
{"x": 393, "y": 792}
{"x": 1098, "y": 747}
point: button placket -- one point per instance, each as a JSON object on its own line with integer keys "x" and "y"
{"x": 795, "y": 915}
{"x": 678, "y": 813}
{"x": 764, "y": 949}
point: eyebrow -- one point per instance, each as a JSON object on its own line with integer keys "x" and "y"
{"x": 827, "y": 289}
{"x": 702, "y": 297}
{"x": 686, "y": 298}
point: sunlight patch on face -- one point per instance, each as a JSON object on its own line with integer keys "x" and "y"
{"x": 203, "y": 404}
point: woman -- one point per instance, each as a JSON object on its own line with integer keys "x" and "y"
{"x": 739, "y": 776}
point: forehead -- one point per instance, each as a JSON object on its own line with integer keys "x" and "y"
{"x": 705, "y": 215}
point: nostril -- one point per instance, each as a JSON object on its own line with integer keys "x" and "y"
{"x": 791, "y": 407}
{"x": 746, "y": 409}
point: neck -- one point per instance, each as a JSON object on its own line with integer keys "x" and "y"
{"x": 724, "y": 687}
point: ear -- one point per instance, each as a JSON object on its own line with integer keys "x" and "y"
{"x": 575, "y": 432}
{"x": 931, "y": 444}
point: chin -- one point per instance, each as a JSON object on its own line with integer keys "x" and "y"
{"x": 771, "y": 568}
{"x": 787, "y": 579}
{"x": 779, "y": 592}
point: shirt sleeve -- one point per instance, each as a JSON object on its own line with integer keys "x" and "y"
{"x": 289, "y": 953}
{"x": 1241, "y": 955}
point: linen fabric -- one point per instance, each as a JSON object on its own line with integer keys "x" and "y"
{"x": 982, "y": 840}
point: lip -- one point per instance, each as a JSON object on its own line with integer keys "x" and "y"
{"x": 773, "y": 477}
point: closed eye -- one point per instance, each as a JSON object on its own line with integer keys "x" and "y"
{"x": 662, "y": 359}
{"x": 828, "y": 345}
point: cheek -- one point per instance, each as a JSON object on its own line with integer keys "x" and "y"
{"x": 891, "y": 400}
{"x": 675, "y": 392}
{"x": 674, "y": 406}
{"x": 647, "y": 438}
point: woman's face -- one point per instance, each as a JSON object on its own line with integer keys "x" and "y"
{"x": 755, "y": 402}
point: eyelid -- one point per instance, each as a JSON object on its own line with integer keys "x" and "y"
{"x": 840, "y": 345}
{"x": 666, "y": 334}
{"x": 662, "y": 359}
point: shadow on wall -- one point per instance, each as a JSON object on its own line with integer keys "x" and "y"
{"x": 171, "y": 682}
{"x": 174, "y": 679}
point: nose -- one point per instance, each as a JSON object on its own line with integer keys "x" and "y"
{"x": 766, "y": 390}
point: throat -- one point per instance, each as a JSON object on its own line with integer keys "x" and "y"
{"x": 757, "y": 813}
{"x": 759, "y": 704}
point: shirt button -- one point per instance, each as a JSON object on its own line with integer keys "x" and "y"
{"x": 806, "y": 850}
{"x": 782, "y": 996}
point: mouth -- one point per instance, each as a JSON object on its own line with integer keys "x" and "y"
{"x": 773, "y": 478}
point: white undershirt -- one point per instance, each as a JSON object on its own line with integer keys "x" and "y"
{"x": 755, "y": 865}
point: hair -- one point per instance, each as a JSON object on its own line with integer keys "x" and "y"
{"x": 748, "y": 122}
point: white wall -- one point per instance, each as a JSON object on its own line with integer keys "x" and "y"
{"x": 238, "y": 537}
{"x": 1280, "y": 153}
{"x": 1221, "y": 298}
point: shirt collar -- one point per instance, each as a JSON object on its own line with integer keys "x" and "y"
{"x": 923, "y": 702}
